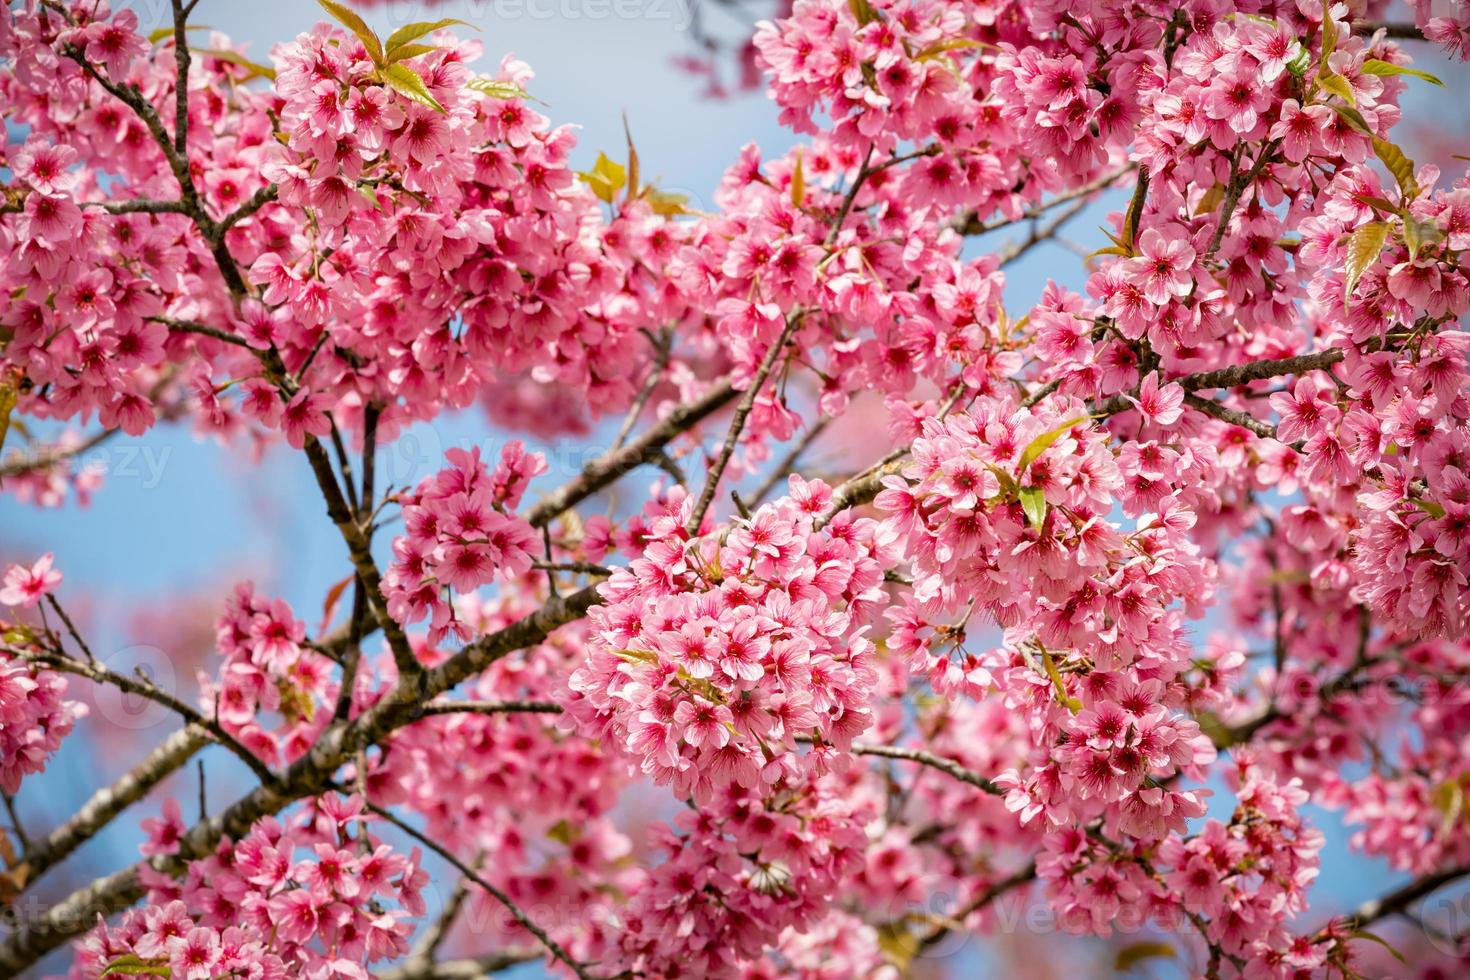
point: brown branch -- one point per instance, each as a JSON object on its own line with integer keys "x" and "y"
{"x": 359, "y": 550}
{"x": 1009, "y": 883}
{"x": 613, "y": 464}
{"x": 50, "y": 457}
{"x": 788, "y": 464}
{"x": 139, "y": 207}
{"x": 181, "y": 85}
{"x": 1235, "y": 417}
{"x": 947, "y": 766}
{"x": 865, "y": 486}
{"x": 426, "y": 947}
{"x": 260, "y": 199}
{"x": 145, "y": 689}
{"x": 835, "y": 228}
{"x": 1402, "y": 897}
{"x": 1238, "y": 374}
{"x": 309, "y": 775}
{"x": 737, "y": 423}
{"x": 1397, "y": 31}
{"x": 108, "y": 802}
{"x": 655, "y": 375}
{"x": 1239, "y": 183}
{"x": 969, "y": 223}
{"x": 1040, "y": 233}
{"x": 500, "y": 896}
{"x": 469, "y": 969}
{"x": 490, "y": 708}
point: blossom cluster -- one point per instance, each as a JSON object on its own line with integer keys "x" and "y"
{"x": 268, "y": 669}
{"x": 319, "y": 896}
{"x": 462, "y": 532}
{"x": 34, "y": 717}
{"x": 1246, "y": 877}
{"x": 710, "y": 658}
{"x": 34, "y": 713}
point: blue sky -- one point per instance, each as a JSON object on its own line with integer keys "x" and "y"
{"x": 177, "y": 514}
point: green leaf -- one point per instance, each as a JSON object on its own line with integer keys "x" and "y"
{"x": 1135, "y": 211}
{"x": 605, "y": 178}
{"x": 1130, "y": 956}
{"x": 410, "y": 84}
{"x": 1429, "y": 507}
{"x": 563, "y": 832}
{"x": 1449, "y": 799}
{"x": 409, "y": 33}
{"x": 1377, "y": 202}
{"x": 349, "y": 19}
{"x": 632, "y": 160}
{"x": 898, "y": 945}
{"x": 1298, "y": 65}
{"x": 1044, "y": 441}
{"x": 949, "y": 44}
{"x": 862, "y": 11}
{"x": 1417, "y": 234}
{"x": 1399, "y": 165}
{"x": 9, "y": 395}
{"x": 1354, "y": 118}
{"x": 1371, "y": 937}
{"x": 497, "y": 89}
{"x": 410, "y": 51}
{"x": 236, "y": 58}
{"x": 1338, "y": 86}
{"x": 131, "y": 966}
{"x": 1211, "y": 199}
{"x": 1363, "y": 250}
{"x": 667, "y": 203}
{"x": 1033, "y": 502}
{"x": 19, "y": 634}
{"x": 164, "y": 33}
{"x": 1329, "y": 33}
{"x": 1374, "y": 66}
{"x": 798, "y": 183}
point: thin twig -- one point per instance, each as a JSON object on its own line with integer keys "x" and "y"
{"x": 71, "y": 628}
{"x": 146, "y": 689}
{"x": 1238, "y": 185}
{"x": 788, "y": 464}
{"x": 737, "y": 423}
{"x": 655, "y": 374}
{"x": 490, "y": 708}
{"x": 15, "y": 824}
{"x": 969, "y": 224}
{"x": 520, "y": 916}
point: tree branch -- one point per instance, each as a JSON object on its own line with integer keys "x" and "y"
{"x": 490, "y": 708}
{"x": 109, "y": 801}
{"x": 737, "y": 424}
{"x": 500, "y": 896}
{"x": 613, "y": 464}
{"x": 969, "y": 223}
{"x": 142, "y": 688}
{"x": 469, "y": 969}
{"x": 1402, "y": 897}
{"x": 947, "y": 766}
